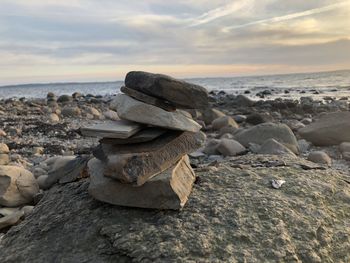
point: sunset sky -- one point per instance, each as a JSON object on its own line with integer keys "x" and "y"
{"x": 101, "y": 40}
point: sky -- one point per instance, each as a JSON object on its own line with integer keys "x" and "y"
{"x": 101, "y": 40}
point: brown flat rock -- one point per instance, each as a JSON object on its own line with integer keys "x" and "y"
{"x": 144, "y": 135}
{"x": 168, "y": 190}
{"x": 148, "y": 99}
{"x": 138, "y": 111}
{"x": 120, "y": 129}
{"x": 137, "y": 163}
{"x": 179, "y": 93}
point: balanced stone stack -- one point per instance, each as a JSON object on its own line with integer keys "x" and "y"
{"x": 142, "y": 159}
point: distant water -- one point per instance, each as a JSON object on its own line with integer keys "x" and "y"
{"x": 336, "y": 84}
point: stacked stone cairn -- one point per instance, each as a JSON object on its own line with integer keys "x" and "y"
{"x": 142, "y": 159}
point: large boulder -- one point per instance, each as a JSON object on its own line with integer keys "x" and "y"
{"x": 260, "y": 133}
{"x": 17, "y": 186}
{"x": 177, "y": 92}
{"x": 330, "y": 129}
{"x": 232, "y": 215}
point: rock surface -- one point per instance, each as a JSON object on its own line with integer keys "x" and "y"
{"x": 232, "y": 215}
{"x": 17, "y": 186}
{"x": 330, "y": 129}
{"x": 168, "y": 190}
{"x": 180, "y": 93}
{"x": 134, "y": 110}
{"x": 260, "y": 133}
{"x": 139, "y": 162}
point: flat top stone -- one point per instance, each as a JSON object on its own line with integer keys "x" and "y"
{"x": 145, "y": 135}
{"x": 113, "y": 129}
{"x": 137, "y": 111}
{"x": 180, "y": 93}
{"x": 148, "y": 99}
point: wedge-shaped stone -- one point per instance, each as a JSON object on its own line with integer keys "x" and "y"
{"x": 180, "y": 93}
{"x": 168, "y": 190}
{"x": 140, "y": 162}
{"x": 121, "y": 129}
{"x": 148, "y": 99}
{"x": 144, "y": 135}
{"x": 134, "y": 110}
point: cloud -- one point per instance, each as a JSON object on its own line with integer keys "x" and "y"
{"x": 39, "y": 37}
{"x": 290, "y": 16}
{"x": 222, "y": 11}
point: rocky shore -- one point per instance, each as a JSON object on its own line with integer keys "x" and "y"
{"x": 234, "y": 213}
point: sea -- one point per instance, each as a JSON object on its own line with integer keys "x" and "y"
{"x": 322, "y": 84}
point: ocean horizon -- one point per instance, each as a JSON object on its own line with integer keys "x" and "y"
{"x": 336, "y": 83}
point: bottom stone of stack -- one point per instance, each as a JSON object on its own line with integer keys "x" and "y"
{"x": 168, "y": 190}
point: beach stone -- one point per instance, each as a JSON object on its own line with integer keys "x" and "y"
{"x": 209, "y": 114}
{"x": 17, "y": 186}
{"x": 304, "y": 145}
{"x": 136, "y": 163}
{"x": 295, "y": 125}
{"x": 344, "y": 147}
{"x": 346, "y": 156}
{"x": 224, "y": 121}
{"x": 94, "y": 112}
{"x": 179, "y": 93}
{"x": 229, "y": 147}
{"x": 227, "y": 136}
{"x": 271, "y": 146}
{"x": 111, "y": 115}
{"x": 52, "y": 104}
{"x": 53, "y": 118}
{"x": 211, "y": 147}
{"x": 50, "y": 95}
{"x": 39, "y": 171}
{"x": 306, "y": 121}
{"x": 77, "y": 95}
{"x": 239, "y": 118}
{"x": 320, "y": 157}
{"x": 2, "y": 133}
{"x": 134, "y": 110}
{"x": 71, "y": 111}
{"x": 228, "y": 129}
{"x": 43, "y": 182}
{"x": 148, "y": 99}
{"x": 257, "y": 118}
{"x": 64, "y": 99}
{"x": 4, "y": 159}
{"x": 11, "y": 219}
{"x": 4, "y": 148}
{"x": 243, "y": 101}
{"x": 260, "y": 133}
{"x": 38, "y": 150}
{"x": 168, "y": 190}
{"x": 330, "y": 129}
{"x": 27, "y": 210}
